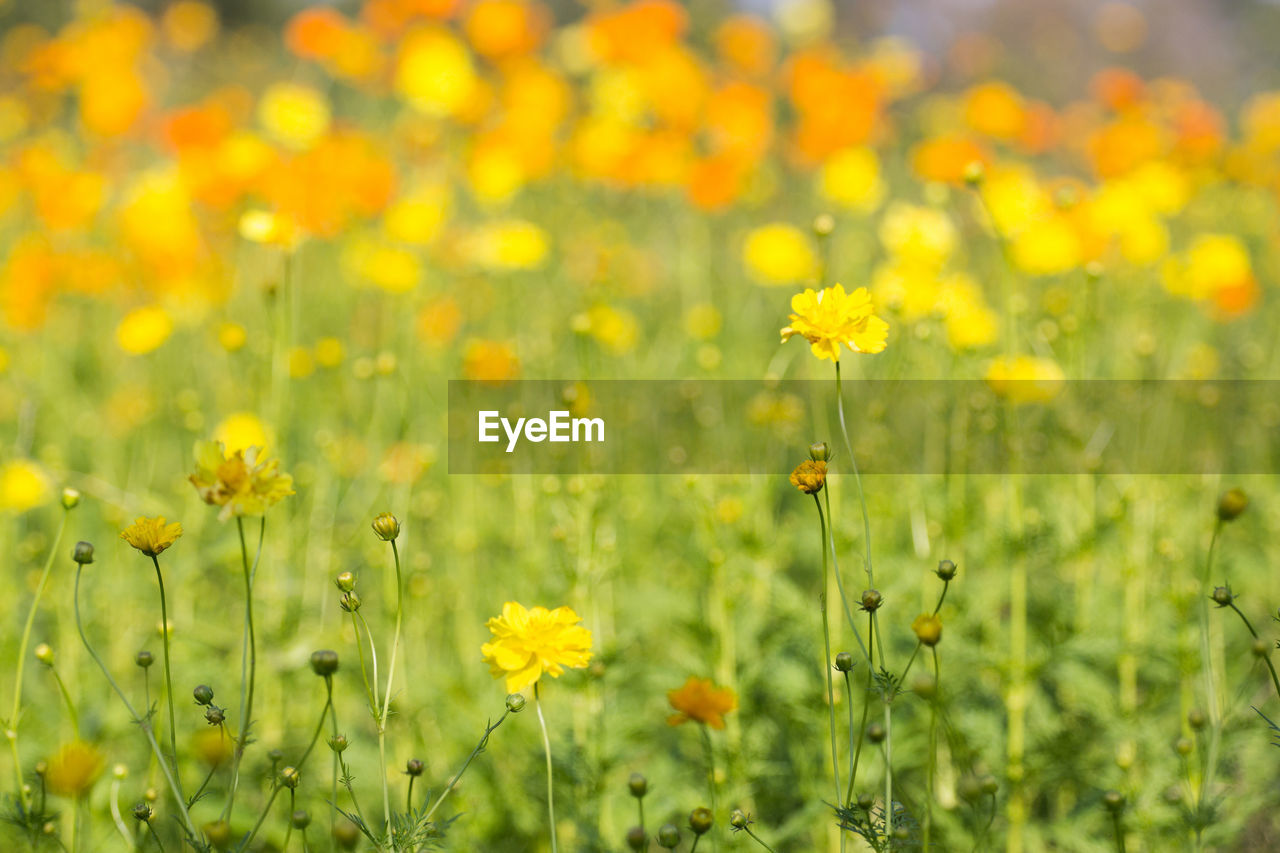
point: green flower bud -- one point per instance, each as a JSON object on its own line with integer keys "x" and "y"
{"x": 339, "y": 743}
{"x": 70, "y": 498}
{"x": 350, "y": 602}
{"x": 324, "y": 662}
{"x": 300, "y": 819}
{"x": 1196, "y": 719}
{"x": 1114, "y": 801}
{"x": 1232, "y": 504}
{"x": 203, "y": 694}
{"x": 83, "y": 553}
{"x": 214, "y": 715}
{"x": 876, "y": 733}
{"x": 1183, "y": 746}
{"x": 44, "y": 654}
{"x": 143, "y": 813}
{"x": 865, "y": 802}
{"x": 515, "y": 702}
{"x": 700, "y": 820}
{"x": 871, "y": 600}
{"x": 636, "y": 839}
{"x": 144, "y": 659}
{"x": 347, "y": 834}
{"x": 738, "y": 819}
{"x": 819, "y": 451}
{"x": 946, "y": 570}
{"x": 290, "y": 777}
{"x": 218, "y": 833}
{"x": 1222, "y": 596}
{"x": 638, "y": 785}
{"x": 414, "y": 767}
{"x": 844, "y": 662}
{"x": 668, "y": 836}
{"x": 387, "y": 527}
{"x": 824, "y": 224}
{"x": 346, "y": 581}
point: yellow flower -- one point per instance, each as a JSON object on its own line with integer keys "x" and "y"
{"x": 527, "y": 643}
{"x": 1023, "y": 379}
{"x": 241, "y": 483}
{"x": 779, "y": 254}
{"x": 144, "y": 329}
{"x": 832, "y": 317}
{"x": 851, "y": 178}
{"x": 927, "y": 628}
{"x": 23, "y": 485}
{"x": 73, "y": 769}
{"x": 242, "y": 430}
{"x": 809, "y": 476}
{"x": 151, "y": 536}
{"x": 293, "y": 114}
{"x": 701, "y": 701}
{"x": 269, "y": 229}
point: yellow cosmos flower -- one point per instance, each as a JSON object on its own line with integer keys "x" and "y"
{"x": 832, "y": 317}
{"x": 779, "y": 253}
{"x": 74, "y": 768}
{"x": 528, "y": 642}
{"x": 151, "y": 536}
{"x": 241, "y": 483}
{"x": 23, "y": 485}
{"x": 701, "y": 701}
{"x": 144, "y": 329}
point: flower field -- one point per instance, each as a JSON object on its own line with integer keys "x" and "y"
{"x": 256, "y": 602}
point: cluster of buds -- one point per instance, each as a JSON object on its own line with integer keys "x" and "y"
{"x": 346, "y": 583}
{"x": 203, "y": 694}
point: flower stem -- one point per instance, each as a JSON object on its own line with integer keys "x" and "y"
{"x": 826, "y": 640}
{"x": 1210, "y": 685}
{"x": 1275, "y": 680}
{"x": 248, "y": 661}
{"x": 143, "y": 722}
{"x": 866, "y": 708}
{"x": 12, "y": 723}
{"x": 758, "y": 839}
{"x": 857, "y": 479}
{"x": 480, "y": 747}
{"x": 933, "y": 753}
{"x": 168, "y": 677}
{"x": 546, "y": 746}
{"x": 386, "y": 702}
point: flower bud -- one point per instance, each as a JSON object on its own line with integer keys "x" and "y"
{"x": 300, "y": 819}
{"x": 275, "y": 755}
{"x": 387, "y": 527}
{"x": 1261, "y": 648}
{"x": 324, "y": 662}
{"x": 1222, "y": 596}
{"x": 119, "y": 771}
{"x": 144, "y": 659}
{"x": 638, "y": 785}
{"x": 871, "y": 600}
{"x": 70, "y": 498}
{"x": 44, "y": 654}
{"x": 515, "y": 702}
{"x": 350, "y": 602}
{"x": 214, "y": 715}
{"x": 83, "y": 553}
{"x": 42, "y": 767}
{"x": 1196, "y": 719}
{"x": 290, "y": 777}
{"x": 824, "y": 224}
{"x": 338, "y": 743}
{"x": 1114, "y": 801}
{"x": 844, "y": 662}
{"x": 1183, "y": 746}
{"x": 414, "y": 767}
{"x": 218, "y": 833}
{"x": 865, "y": 802}
{"x": 946, "y": 570}
{"x": 636, "y": 839}
{"x": 738, "y": 819}
{"x": 989, "y": 784}
{"x": 203, "y": 694}
{"x": 700, "y": 820}
{"x": 875, "y": 733}
{"x": 927, "y": 628}
{"x": 143, "y": 812}
{"x": 820, "y": 451}
{"x": 1232, "y": 504}
{"x": 347, "y": 834}
{"x": 669, "y": 836}
{"x": 974, "y": 173}
{"x": 346, "y": 581}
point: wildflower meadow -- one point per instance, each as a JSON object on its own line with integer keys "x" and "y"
{"x": 952, "y": 525}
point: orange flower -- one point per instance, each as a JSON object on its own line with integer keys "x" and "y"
{"x": 701, "y": 701}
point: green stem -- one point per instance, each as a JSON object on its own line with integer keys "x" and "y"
{"x": 364, "y": 673}
{"x": 143, "y": 722}
{"x": 480, "y": 747}
{"x": 66, "y": 698}
{"x": 862, "y": 731}
{"x": 933, "y": 751}
{"x": 835, "y": 563}
{"x": 1267, "y": 659}
{"x": 857, "y": 479}
{"x": 11, "y": 724}
{"x": 386, "y": 702}
{"x": 1206, "y": 660}
{"x": 709, "y": 750}
{"x": 1119, "y": 829}
{"x": 248, "y": 661}
{"x": 826, "y": 641}
{"x": 546, "y": 746}
{"x": 168, "y": 676}
{"x": 758, "y": 839}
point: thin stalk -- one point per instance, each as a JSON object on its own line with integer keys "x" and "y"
{"x": 708, "y": 748}
{"x": 758, "y": 839}
{"x": 364, "y": 673}
{"x": 933, "y": 752}
{"x": 248, "y": 661}
{"x": 143, "y": 722}
{"x": 480, "y": 747}
{"x": 1119, "y": 830}
{"x": 546, "y": 746}
{"x": 888, "y": 767}
{"x": 168, "y": 676}
{"x": 1211, "y": 693}
{"x": 151, "y": 828}
{"x": 66, "y": 699}
{"x": 1275, "y": 680}
{"x": 857, "y": 479}
{"x": 835, "y": 563}
{"x": 12, "y": 723}
{"x": 116, "y": 817}
{"x": 862, "y": 731}
{"x": 386, "y": 702}
{"x": 826, "y": 641}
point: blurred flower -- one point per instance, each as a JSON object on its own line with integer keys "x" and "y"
{"x": 851, "y": 178}
{"x": 493, "y": 362}
{"x": 529, "y": 642}
{"x": 151, "y": 536}
{"x": 1217, "y": 269}
{"x": 74, "y": 768}
{"x": 506, "y": 245}
{"x": 239, "y": 481}
{"x": 922, "y": 235}
{"x": 269, "y": 229}
{"x": 293, "y": 114}
{"x": 831, "y": 317}
{"x": 700, "y": 701}
{"x": 927, "y": 628}
{"x": 189, "y": 24}
{"x": 779, "y": 253}
{"x": 434, "y": 72}
{"x": 1024, "y": 379}
{"x": 24, "y": 485}
{"x": 144, "y": 329}
{"x": 241, "y": 431}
